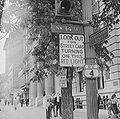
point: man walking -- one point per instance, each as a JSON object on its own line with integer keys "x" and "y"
{"x": 98, "y": 101}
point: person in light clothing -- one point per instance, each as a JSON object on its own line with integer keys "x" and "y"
{"x": 58, "y": 105}
{"x": 15, "y": 103}
{"x": 46, "y": 105}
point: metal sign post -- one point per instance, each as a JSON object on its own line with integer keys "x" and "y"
{"x": 91, "y": 88}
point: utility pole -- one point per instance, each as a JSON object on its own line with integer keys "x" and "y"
{"x": 91, "y": 88}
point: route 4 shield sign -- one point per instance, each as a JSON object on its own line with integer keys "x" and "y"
{"x": 91, "y": 71}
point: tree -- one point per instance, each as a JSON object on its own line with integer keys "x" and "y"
{"x": 13, "y": 13}
{"x": 109, "y": 13}
{"x": 108, "y": 16}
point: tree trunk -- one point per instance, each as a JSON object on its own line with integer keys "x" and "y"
{"x": 66, "y": 97}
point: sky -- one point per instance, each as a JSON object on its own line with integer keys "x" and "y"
{"x": 2, "y": 54}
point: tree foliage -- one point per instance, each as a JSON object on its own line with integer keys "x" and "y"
{"x": 14, "y": 12}
{"x": 41, "y": 13}
{"x": 37, "y": 16}
{"x": 109, "y": 14}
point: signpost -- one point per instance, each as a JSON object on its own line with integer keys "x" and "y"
{"x": 71, "y": 47}
{"x": 99, "y": 36}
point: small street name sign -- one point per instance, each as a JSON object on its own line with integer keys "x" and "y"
{"x": 67, "y": 28}
{"x": 99, "y": 36}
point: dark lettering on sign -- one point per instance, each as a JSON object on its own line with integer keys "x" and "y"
{"x": 71, "y": 49}
{"x": 71, "y": 37}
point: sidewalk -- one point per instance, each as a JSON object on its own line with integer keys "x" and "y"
{"x": 39, "y": 113}
{"x": 82, "y": 114}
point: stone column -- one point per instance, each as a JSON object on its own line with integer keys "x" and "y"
{"x": 33, "y": 92}
{"x": 49, "y": 84}
{"x": 39, "y": 97}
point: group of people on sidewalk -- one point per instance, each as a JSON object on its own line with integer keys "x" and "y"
{"x": 113, "y": 106}
{"x": 20, "y": 101}
{"x": 52, "y": 105}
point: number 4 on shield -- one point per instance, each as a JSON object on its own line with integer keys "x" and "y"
{"x": 91, "y": 73}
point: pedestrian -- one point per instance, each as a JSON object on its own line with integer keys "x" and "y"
{"x": 27, "y": 102}
{"x": 114, "y": 105}
{"x": 52, "y": 104}
{"x": 8, "y": 102}
{"x": 55, "y": 105}
{"x": 15, "y": 103}
{"x": 109, "y": 104}
{"x": 98, "y": 101}
{"x": 58, "y": 105}
{"x": 46, "y": 105}
{"x": 73, "y": 103}
{"x": 104, "y": 102}
{"x": 0, "y": 105}
{"x": 21, "y": 102}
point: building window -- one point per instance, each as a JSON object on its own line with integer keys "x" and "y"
{"x": 107, "y": 74}
{"x": 100, "y": 82}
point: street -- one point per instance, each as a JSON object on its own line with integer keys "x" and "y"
{"x": 39, "y": 113}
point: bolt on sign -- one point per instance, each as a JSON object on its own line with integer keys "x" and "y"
{"x": 71, "y": 50}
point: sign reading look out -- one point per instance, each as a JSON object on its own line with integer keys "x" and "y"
{"x": 71, "y": 49}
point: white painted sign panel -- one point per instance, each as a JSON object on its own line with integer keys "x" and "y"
{"x": 71, "y": 50}
{"x": 63, "y": 79}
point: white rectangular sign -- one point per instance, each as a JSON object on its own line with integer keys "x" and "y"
{"x": 63, "y": 80}
{"x": 71, "y": 50}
